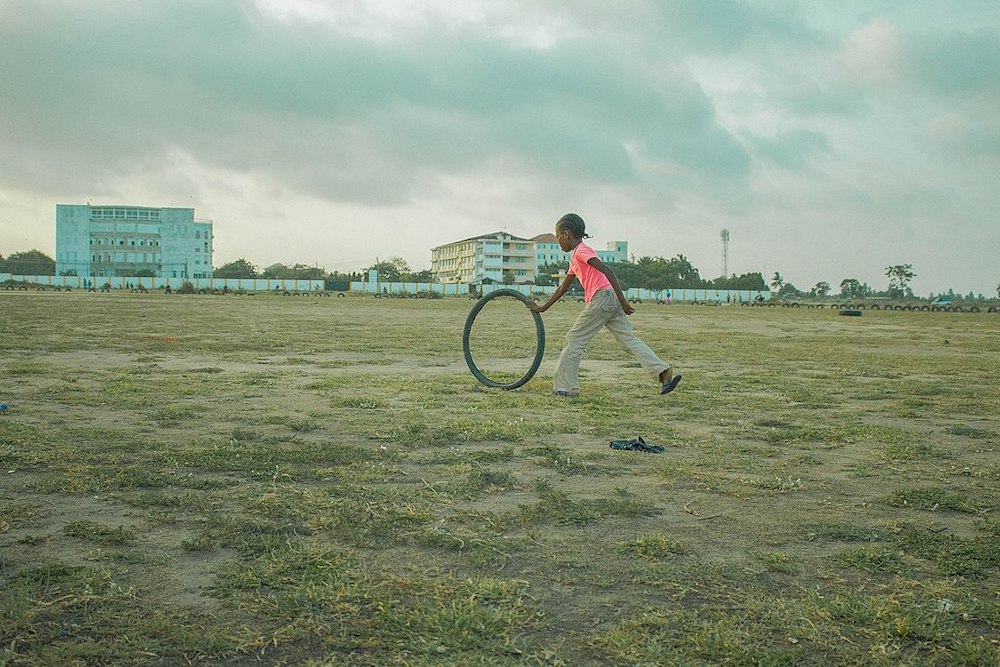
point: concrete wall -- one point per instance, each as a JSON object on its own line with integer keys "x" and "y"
{"x": 122, "y": 282}
{"x": 394, "y": 288}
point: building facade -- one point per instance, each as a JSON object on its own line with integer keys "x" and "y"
{"x": 498, "y": 257}
{"x": 547, "y": 251}
{"x": 139, "y": 241}
{"x": 504, "y": 258}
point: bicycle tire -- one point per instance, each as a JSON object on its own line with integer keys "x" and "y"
{"x": 539, "y": 340}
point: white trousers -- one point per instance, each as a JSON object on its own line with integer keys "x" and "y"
{"x": 603, "y": 311}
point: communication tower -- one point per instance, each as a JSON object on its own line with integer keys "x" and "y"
{"x": 725, "y": 252}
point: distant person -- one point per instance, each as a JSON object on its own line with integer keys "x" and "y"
{"x": 606, "y": 307}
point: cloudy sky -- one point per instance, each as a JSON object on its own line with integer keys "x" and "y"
{"x": 831, "y": 139}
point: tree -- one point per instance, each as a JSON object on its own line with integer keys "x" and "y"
{"x": 390, "y": 271}
{"x": 340, "y": 281}
{"x": 998, "y": 290}
{"x": 777, "y": 282}
{"x": 297, "y": 272}
{"x": 241, "y": 268}
{"x": 789, "y": 290}
{"x": 849, "y": 287}
{"x": 422, "y": 276}
{"x": 30, "y": 263}
{"x": 546, "y": 272}
{"x": 685, "y": 271}
{"x": 852, "y": 288}
{"x": 899, "y": 276}
{"x": 821, "y": 289}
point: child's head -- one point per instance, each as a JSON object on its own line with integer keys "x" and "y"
{"x": 572, "y": 228}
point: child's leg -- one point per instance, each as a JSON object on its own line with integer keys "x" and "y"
{"x": 567, "y": 377}
{"x": 621, "y": 327}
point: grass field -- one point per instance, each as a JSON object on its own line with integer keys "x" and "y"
{"x": 321, "y": 481}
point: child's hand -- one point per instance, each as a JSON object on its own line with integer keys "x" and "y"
{"x": 535, "y": 308}
{"x": 627, "y": 307}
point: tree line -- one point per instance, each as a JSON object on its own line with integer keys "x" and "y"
{"x": 30, "y": 263}
{"x": 899, "y": 276}
{"x": 658, "y": 273}
{"x": 392, "y": 270}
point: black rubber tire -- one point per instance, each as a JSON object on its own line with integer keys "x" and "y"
{"x": 539, "y": 344}
{"x": 851, "y": 313}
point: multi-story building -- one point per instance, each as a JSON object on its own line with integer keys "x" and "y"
{"x": 547, "y": 251}
{"x": 500, "y": 257}
{"x": 108, "y": 241}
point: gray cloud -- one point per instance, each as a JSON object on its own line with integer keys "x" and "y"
{"x": 221, "y": 82}
{"x": 779, "y": 119}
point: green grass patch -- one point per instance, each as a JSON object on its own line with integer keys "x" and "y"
{"x": 332, "y": 486}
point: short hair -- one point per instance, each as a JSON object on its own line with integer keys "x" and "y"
{"x": 574, "y": 224}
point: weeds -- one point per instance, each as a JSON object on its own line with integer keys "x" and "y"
{"x": 331, "y": 486}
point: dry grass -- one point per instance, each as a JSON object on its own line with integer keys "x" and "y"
{"x": 321, "y": 481}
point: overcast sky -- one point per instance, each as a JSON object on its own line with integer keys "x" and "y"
{"x": 832, "y": 139}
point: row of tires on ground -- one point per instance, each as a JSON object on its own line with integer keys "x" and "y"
{"x": 889, "y": 306}
{"x": 408, "y": 295}
{"x": 846, "y": 306}
{"x": 42, "y": 288}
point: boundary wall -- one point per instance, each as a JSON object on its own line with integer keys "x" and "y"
{"x": 659, "y": 296}
{"x": 397, "y": 288}
{"x": 375, "y": 288}
{"x": 124, "y": 282}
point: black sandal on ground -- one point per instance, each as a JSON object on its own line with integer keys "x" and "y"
{"x": 670, "y": 384}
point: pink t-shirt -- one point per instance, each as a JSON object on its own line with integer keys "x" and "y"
{"x": 591, "y": 279}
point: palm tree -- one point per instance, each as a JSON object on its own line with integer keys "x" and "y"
{"x": 777, "y": 282}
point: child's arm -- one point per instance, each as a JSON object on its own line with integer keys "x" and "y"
{"x": 606, "y": 270}
{"x": 562, "y": 289}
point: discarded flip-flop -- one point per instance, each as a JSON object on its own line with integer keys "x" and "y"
{"x": 670, "y": 384}
{"x": 637, "y": 445}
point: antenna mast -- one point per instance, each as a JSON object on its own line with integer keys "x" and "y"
{"x": 725, "y": 253}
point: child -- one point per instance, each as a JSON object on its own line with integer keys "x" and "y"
{"x": 606, "y": 307}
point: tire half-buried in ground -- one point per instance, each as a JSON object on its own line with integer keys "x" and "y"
{"x": 539, "y": 340}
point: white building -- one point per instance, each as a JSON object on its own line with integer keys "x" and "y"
{"x": 500, "y": 257}
{"x": 548, "y": 251}
{"x": 110, "y": 241}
